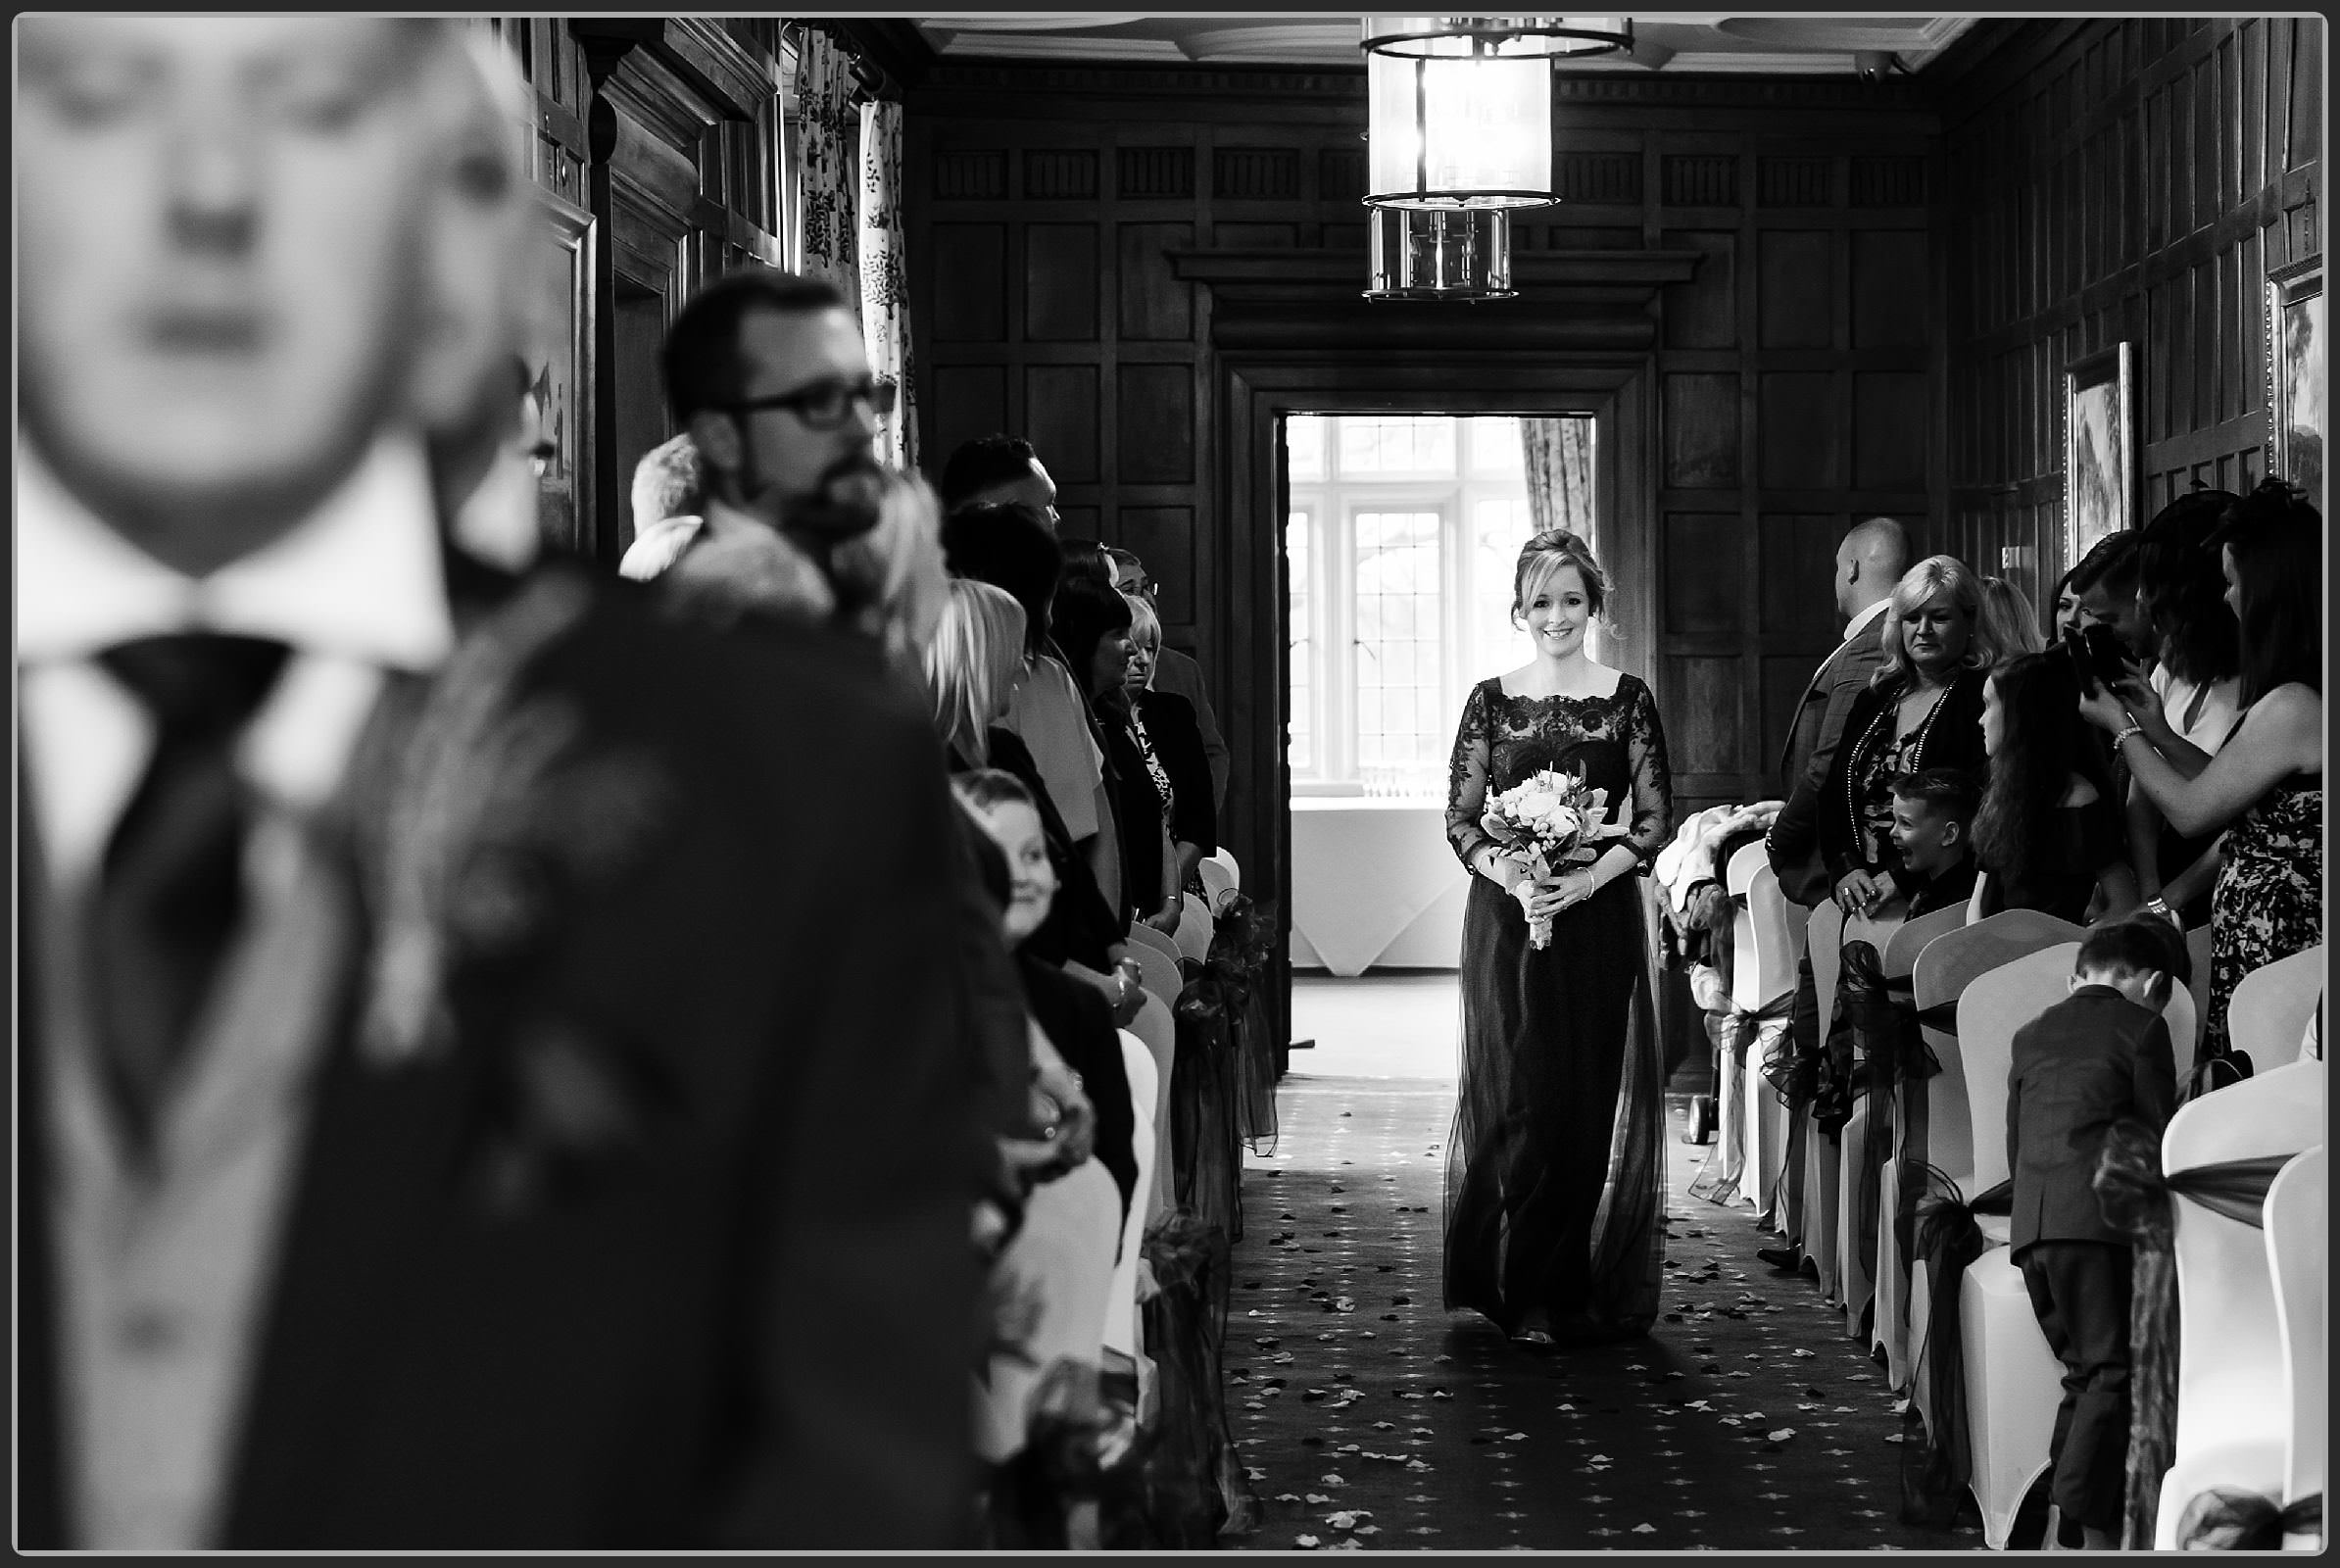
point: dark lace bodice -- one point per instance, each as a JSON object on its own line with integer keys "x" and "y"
{"x": 1614, "y": 742}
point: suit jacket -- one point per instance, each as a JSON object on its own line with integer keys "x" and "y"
{"x": 734, "y": 1320}
{"x": 1174, "y": 673}
{"x": 2088, "y": 1062}
{"x": 1178, "y": 741}
{"x": 1793, "y": 843}
{"x": 1137, "y": 815}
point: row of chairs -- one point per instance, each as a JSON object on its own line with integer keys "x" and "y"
{"x": 1149, "y": 1048}
{"x": 1992, "y": 977}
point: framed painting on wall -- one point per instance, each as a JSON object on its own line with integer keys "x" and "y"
{"x": 2295, "y": 364}
{"x": 2100, "y": 450}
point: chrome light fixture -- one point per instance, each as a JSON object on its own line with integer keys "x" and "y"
{"x": 1467, "y": 133}
{"x": 1460, "y": 256}
{"x": 1498, "y": 38}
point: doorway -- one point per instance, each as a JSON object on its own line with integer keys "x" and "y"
{"x": 1400, "y": 533}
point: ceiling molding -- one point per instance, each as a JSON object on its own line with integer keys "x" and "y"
{"x": 1335, "y": 41}
{"x": 1028, "y": 46}
{"x": 1344, "y": 85}
{"x": 1673, "y": 43}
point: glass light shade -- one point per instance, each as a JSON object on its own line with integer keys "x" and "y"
{"x": 1498, "y": 37}
{"x": 1451, "y": 133}
{"x": 1462, "y": 255}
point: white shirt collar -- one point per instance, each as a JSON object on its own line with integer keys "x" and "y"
{"x": 361, "y": 578}
{"x": 1852, "y": 627}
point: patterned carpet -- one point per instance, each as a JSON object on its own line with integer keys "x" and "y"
{"x": 1369, "y": 1417}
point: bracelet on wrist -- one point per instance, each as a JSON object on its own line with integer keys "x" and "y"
{"x": 2133, "y": 729}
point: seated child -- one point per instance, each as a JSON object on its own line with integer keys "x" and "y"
{"x": 2101, "y": 1056}
{"x": 1934, "y": 814}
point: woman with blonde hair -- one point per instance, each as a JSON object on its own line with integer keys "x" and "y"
{"x": 1923, "y": 709}
{"x": 973, "y": 660}
{"x": 2006, "y": 626}
{"x": 896, "y": 570}
{"x": 1169, "y": 740}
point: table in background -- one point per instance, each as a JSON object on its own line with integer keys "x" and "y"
{"x": 1374, "y": 881}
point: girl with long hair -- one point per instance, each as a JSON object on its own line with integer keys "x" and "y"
{"x": 2048, "y": 833}
{"x": 2264, "y": 787}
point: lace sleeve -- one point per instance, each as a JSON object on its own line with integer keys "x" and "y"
{"x": 1466, "y": 780}
{"x": 1653, "y": 781}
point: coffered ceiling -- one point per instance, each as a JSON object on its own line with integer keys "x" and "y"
{"x": 1676, "y": 43}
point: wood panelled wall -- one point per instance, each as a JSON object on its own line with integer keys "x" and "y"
{"x": 2119, "y": 181}
{"x": 657, "y": 154}
{"x": 1797, "y": 371}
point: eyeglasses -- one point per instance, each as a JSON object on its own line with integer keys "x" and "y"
{"x": 825, "y": 404}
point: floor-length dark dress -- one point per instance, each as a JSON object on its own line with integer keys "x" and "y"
{"x": 1553, "y": 1175}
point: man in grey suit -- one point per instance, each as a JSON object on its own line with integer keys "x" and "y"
{"x": 1870, "y": 560}
{"x": 1869, "y": 563}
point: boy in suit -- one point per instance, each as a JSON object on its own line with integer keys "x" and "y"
{"x": 1933, "y": 810}
{"x": 2101, "y": 1056}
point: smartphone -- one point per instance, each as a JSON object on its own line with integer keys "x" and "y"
{"x": 2097, "y": 655}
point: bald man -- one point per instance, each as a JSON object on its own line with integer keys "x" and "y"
{"x": 1870, "y": 560}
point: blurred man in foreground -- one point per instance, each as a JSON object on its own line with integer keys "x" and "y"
{"x": 472, "y": 1094}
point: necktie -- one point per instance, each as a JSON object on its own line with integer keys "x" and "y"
{"x": 170, "y": 892}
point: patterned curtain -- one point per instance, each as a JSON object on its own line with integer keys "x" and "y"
{"x": 1559, "y": 455}
{"x": 1559, "y": 462}
{"x": 829, "y": 125}
{"x": 885, "y": 277}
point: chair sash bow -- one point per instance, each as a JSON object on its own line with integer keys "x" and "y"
{"x": 2135, "y": 1198}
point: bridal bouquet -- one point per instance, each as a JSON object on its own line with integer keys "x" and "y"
{"x": 1557, "y": 821}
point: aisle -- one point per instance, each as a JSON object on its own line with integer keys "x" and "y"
{"x": 1372, "y": 1418}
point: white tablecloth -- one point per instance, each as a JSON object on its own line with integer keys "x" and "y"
{"x": 1374, "y": 881}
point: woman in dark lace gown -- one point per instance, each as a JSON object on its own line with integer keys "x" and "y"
{"x": 2265, "y": 785}
{"x": 1553, "y": 1179}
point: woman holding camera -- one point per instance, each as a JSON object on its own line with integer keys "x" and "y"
{"x": 2197, "y": 680}
{"x": 2265, "y": 785}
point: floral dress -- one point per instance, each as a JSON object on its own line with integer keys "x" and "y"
{"x": 2268, "y": 902}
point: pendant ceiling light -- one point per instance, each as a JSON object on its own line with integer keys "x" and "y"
{"x": 1498, "y": 37}
{"x": 1471, "y": 132}
{"x": 1460, "y": 256}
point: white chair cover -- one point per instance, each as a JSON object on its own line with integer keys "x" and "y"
{"x": 2296, "y": 1240}
{"x": 1144, "y": 935}
{"x": 1064, "y": 1255}
{"x": 2232, "y": 1387}
{"x": 1218, "y": 883}
{"x": 2268, "y": 1016}
{"x": 1226, "y": 858}
{"x": 1160, "y": 1031}
{"x": 2013, "y": 1386}
{"x": 1763, "y": 970}
{"x": 1195, "y": 928}
{"x": 1936, "y": 1109}
{"x": 1161, "y": 969}
{"x": 1121, "y": 1311}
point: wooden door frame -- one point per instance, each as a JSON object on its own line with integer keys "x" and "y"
{"x": 1251, "y": 631}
